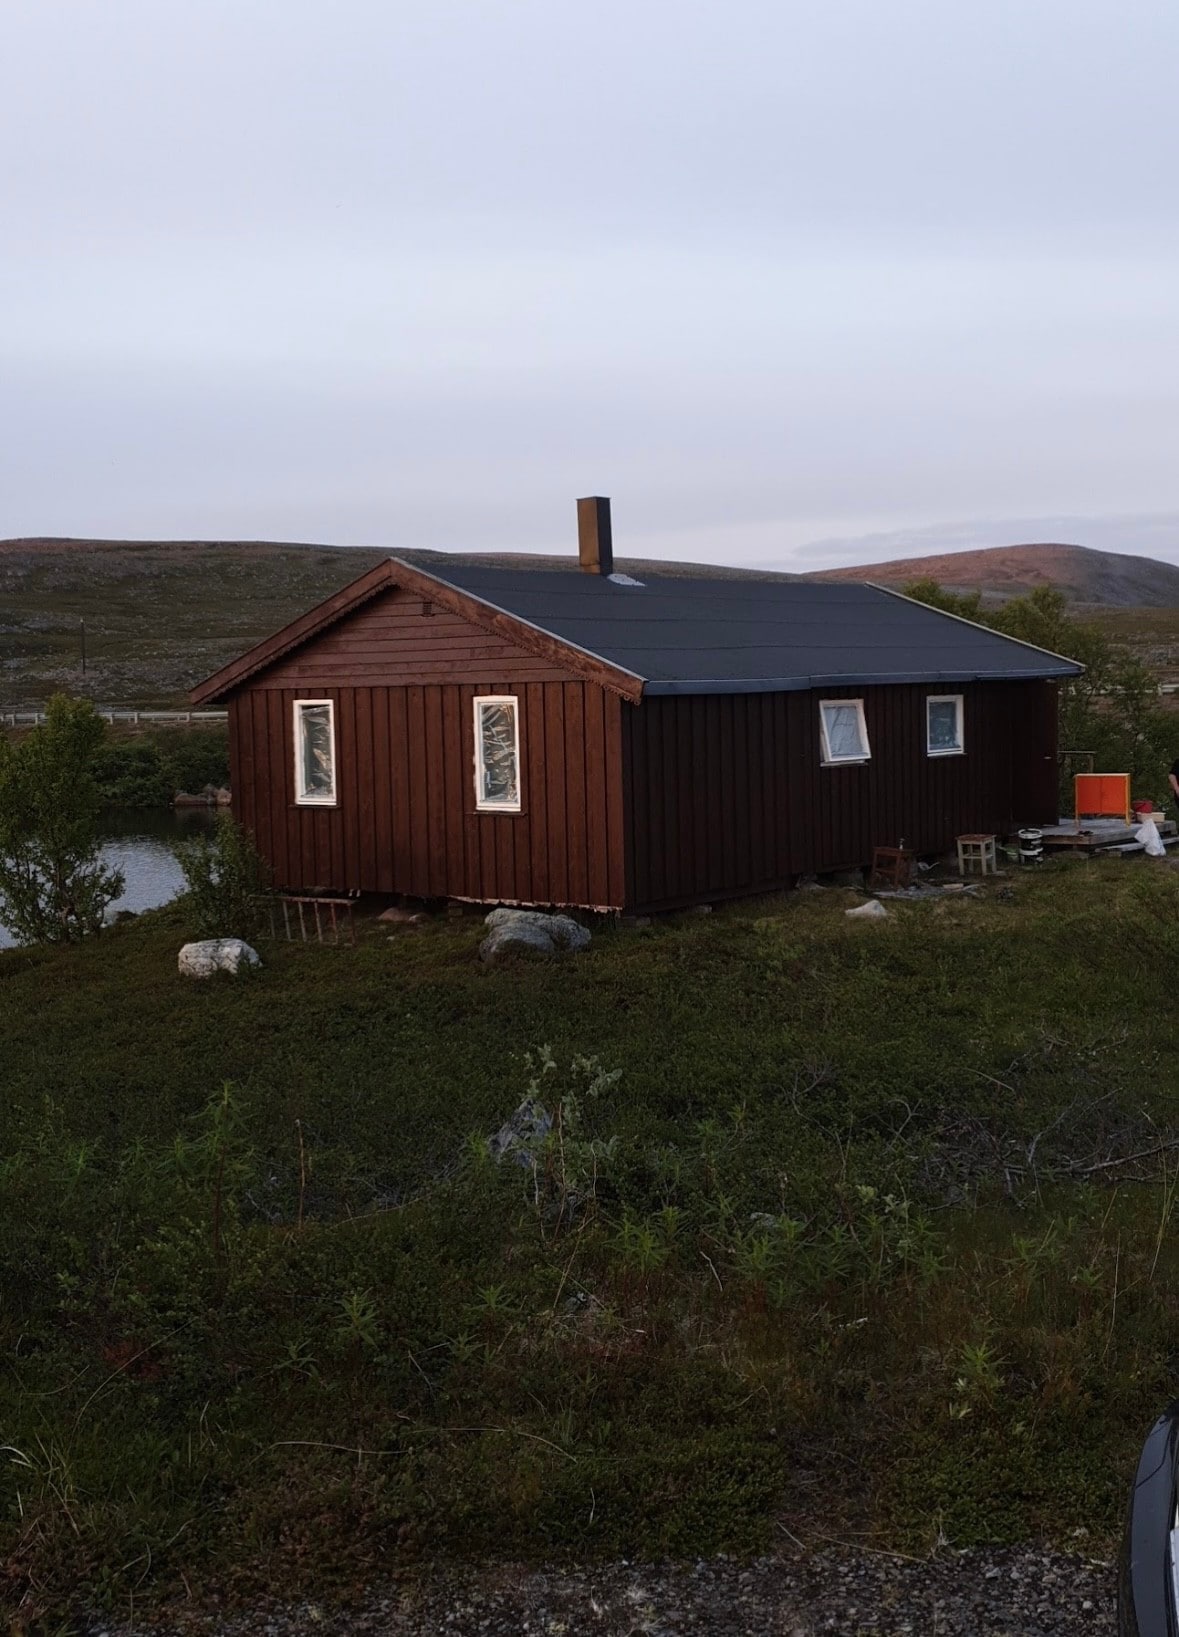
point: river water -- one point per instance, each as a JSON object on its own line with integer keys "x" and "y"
{"x": 139, "y": 842}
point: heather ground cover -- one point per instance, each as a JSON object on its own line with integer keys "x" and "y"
{"x": 867, "y": 1223}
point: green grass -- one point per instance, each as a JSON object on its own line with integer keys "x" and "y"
{"x": 794, "y": 1265}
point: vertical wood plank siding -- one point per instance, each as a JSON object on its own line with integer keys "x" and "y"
{"x": 726, "y": 795}
{"x": 674, "y": 801}
{"x": 403, "y": 683}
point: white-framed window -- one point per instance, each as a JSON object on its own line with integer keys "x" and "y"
{"x": 845, "y": 733}
{"x": 497, "y": 753}
{"x": 315, "y": 752}
{"x": 943, "y": 725}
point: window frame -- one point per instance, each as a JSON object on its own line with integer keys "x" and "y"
{"x": 479, "y": 702}
{"x": 303, "y": 797}
{"x": 959, "y": 701}
{"x": 829, "y": 760}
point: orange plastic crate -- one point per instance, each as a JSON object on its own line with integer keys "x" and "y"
{"x": 1102, "y": 795}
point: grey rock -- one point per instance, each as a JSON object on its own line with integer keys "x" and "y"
{"x": 517, "y": 940}
{"x": 203, "y": 959}
{"x": 531, "y": 931}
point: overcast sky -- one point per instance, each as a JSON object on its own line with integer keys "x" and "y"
{"x": 767, "y": 273}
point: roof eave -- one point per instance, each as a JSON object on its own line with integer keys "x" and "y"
{"x": 515, "y": 628}
{"x": 975, "y": 625}
{"x": 666, "y": 686}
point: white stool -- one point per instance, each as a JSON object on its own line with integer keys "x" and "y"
{"x": 977, "y": 850}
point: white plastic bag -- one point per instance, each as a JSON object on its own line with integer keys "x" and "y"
{"x": 873, "y": 910}
{"x": 1149, "y": 836}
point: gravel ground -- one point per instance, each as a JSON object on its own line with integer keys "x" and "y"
{"x": 999, "y": 1593}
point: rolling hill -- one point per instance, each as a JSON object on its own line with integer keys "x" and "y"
{"x": 161, "y": 614}
{"x": 1088, "y": 578}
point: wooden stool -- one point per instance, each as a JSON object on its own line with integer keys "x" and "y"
{"x": 978, "y": 850}
{"x": 891, "y": 867}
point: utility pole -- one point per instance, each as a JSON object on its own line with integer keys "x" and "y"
{"x": 82, "y": 631}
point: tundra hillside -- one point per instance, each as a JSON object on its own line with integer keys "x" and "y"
{"x": 160, "y": 615}
{"x": 866, "y": 1231}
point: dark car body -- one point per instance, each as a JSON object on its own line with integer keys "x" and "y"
{"x": 1148, "y": 1570}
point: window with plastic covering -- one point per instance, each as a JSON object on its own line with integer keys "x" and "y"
{"x": 497, "y": 754}
{"x": 844, "y": 731}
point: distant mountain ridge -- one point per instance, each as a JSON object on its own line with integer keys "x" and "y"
{"x": 1088, "y": 578}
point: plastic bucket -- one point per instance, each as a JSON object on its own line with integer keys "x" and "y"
{"x": 1031, "y": 846}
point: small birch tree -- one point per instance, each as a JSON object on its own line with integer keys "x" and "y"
{"x": 54, "y": 886}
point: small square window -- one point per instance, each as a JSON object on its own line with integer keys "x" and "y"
{"x": 845, "y": 733}
{"x": 943, "y": 725}
{"x": 315, "y": 753}
{"x": 497, "y": 754}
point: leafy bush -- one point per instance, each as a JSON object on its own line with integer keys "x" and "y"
{"x": 131, "y": 773}
{"x": 1112, "y": 709}
{"x": 227, "y": 881}
{"x": 146, "y": 770}
{"x": 195, "y": 757}
{"x": 54, "y": 887}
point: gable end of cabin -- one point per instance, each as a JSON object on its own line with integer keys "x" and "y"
{"x": 406, "y": 749}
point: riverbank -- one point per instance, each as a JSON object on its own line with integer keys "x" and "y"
{"x": 861, "y": 1231}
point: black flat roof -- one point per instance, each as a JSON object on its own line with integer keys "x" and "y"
{"x": 702, "y": 635}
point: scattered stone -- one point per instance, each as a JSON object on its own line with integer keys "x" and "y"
{"x": 873, "y": 910}
{"x": 530, "y": 931}
{"x": 805, "y": 1590}
{"x": 201, "y": 960}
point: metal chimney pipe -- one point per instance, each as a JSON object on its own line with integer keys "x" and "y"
{"x": 595, "y": 542}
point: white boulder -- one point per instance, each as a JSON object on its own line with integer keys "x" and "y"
{"x": 531, "y": 931}
{"x": 201, "y": 960}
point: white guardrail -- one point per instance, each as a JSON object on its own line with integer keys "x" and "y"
{"x": 16, "y": 719}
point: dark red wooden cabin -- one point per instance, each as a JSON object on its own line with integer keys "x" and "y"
{"x": 549, "y": 737}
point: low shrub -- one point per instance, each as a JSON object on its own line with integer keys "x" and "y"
{"x": 147, "y": 769}
{"x": 227, "y": 881}
{"x": 273, "y": 1316}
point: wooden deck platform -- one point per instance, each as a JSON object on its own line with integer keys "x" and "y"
{"x": 1098, "y": 835}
